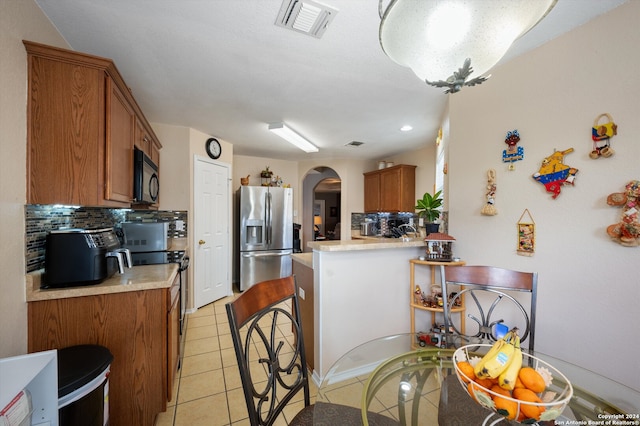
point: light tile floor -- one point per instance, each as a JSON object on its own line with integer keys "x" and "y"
{"x": 208, "y": 390}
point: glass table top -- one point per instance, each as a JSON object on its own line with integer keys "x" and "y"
{"x": 397, "y": 378}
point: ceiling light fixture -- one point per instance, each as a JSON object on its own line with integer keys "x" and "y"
{"x": 444, "y": 42}
{"x": 292, "y": 137}
{"x": 406, "y": 128}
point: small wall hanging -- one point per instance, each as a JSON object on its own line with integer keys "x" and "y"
{"x": 526, "y": 234}
{"x": 512, "y": 153}
{"x": 627, "y": 231}
{"x": 489, "y": 208}
{"x": 601, "y": 135}
{"x": 554, "y": 173}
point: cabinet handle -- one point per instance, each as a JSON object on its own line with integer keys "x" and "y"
{"x": 201, "y": 242}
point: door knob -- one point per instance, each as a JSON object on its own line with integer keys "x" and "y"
{"x": 201, "y": 242}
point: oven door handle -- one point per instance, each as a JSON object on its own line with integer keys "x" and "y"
{"x": 184, "y": 265}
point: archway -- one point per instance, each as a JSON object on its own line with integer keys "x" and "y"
{"x": 322, "y": 195}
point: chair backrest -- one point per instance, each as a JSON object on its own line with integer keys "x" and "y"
{"x": 498, "y": 282}
{"x": 267, "y": 338}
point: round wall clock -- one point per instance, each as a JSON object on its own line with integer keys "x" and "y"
{"x": 213, "y": 148}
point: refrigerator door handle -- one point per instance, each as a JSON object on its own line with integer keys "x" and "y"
{"x": 268, "y": 218}
{"x": 271, "y": 254}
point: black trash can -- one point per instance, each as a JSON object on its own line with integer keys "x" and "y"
{"x": 83, "y": 385}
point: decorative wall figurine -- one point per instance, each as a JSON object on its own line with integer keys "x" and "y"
{"x": 512, "y": 153}
{"x": 526, "y": 235}
{"x": 489, "y": 208}
{"x": 553, "y": 173}
{"x": 601, "y": 135}
{"x": 627, "y": 231}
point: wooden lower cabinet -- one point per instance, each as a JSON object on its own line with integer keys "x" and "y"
{"x": 136, "y": 327}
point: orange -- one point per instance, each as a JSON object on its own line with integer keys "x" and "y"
{"x": 528, "y": 410}
{"x": 518, "y": 383}
{"x": 487, "y": 383}
{"x": 506, "y": 407}
{"x": 467, "y": 370}
{"x": 497, "y": 389}
{"x": 531, "y": 379}
{"x": 473, "y": 388}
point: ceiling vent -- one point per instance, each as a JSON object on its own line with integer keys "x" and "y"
{"x": 355, "y": 143}
{"x": 307, "y": 17}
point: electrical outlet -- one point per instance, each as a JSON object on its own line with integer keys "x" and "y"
{"x": 301, "y": 293}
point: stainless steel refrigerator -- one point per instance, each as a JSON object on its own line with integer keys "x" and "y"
{"x": 266, "y": 233}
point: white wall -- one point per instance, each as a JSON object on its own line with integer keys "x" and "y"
{"x": 174, "y": 166}
{"x": 19, "y": 20}
{"x": 589, "y": 290}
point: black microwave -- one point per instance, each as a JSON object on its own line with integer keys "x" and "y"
{"x": 146, "y": 185}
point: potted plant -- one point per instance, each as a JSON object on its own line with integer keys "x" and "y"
{"x": 266, "y": 173}
{"x": 427, "y": 208}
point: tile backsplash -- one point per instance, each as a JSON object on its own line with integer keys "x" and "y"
{"x": 40, "y": 219}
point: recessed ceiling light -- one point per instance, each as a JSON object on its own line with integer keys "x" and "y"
{"x": 406, "y": 128}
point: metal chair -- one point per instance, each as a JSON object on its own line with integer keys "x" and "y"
{"x": 269, "y": 346}
{"x": 456, "y": 407}
{"x": 498, "y": 283}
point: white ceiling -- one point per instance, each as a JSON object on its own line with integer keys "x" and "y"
{"x": 222, "y": 67}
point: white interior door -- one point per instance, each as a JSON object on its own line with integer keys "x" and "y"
{"x": 212, "y": 245}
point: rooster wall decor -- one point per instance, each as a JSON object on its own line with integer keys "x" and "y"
{"x": 459, "y": 78}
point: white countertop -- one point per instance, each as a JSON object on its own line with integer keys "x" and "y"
{"x": 368, "y": 243}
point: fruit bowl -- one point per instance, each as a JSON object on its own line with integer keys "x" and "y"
{"x": 554, "y": 398}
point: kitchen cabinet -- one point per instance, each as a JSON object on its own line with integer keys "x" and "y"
{"x": 139, "y": 327}
{"x": 119, "y": 146}
{"x": 145, "y": 143}
{"x": 390, "y": 190}
{"x": 81, "y": 125}
{"x": 416, "y": 305}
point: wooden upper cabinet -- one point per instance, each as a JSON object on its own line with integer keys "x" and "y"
{"x": 81, "y": 120}
{"x": 371, "y": 192}
{"x": 65, "y": 130}
{"x": 390, "y": 190}
{"x": 119, "y": 146}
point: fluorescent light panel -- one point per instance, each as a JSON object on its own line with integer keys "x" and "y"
{"x": 292, "y": 137}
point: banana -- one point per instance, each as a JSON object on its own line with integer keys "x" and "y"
{"x": 479, "y": 367}
{"x": 507, "y": 380}
{"x": 494, "y": 363}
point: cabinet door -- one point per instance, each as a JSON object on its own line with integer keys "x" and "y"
{"x": 141, "y": 139}
{"x": 65, "y": 131}
{"x": 371, "y": 192}
{"x": 390, "y": 188}
{"x": 154, "y": 152}
{"x": 119, "y": 146}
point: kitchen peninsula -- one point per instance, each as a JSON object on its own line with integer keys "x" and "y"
{"x": 135, "y": 315}
{"x": 359, "y": 293}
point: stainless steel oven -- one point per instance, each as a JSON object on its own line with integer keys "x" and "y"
{"x": 148, "y": 244}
